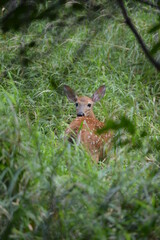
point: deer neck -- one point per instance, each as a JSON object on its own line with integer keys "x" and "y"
{"x": 91, "y": 115}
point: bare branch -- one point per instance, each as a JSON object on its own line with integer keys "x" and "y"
{"x": 138, "y": 37}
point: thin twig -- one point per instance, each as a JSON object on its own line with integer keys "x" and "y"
{"x": 149, "y": 3}
{"x": 138, "y": 37}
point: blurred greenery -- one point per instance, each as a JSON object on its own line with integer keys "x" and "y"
{"x": 49, "y": 189}
{"x": 18, "y": 15}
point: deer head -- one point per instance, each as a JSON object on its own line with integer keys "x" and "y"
{"x": 84, "y": 105}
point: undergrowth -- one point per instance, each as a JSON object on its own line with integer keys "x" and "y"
{"x": 52, "y": 190}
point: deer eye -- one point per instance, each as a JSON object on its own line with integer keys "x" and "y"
{"x": 89, "y": 105}
{"x": 76, "y": 104}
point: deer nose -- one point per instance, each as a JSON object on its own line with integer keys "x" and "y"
{"x": 80, "y": 114}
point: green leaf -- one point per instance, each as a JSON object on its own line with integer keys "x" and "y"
{"x": 154, "y": 28}
{"x": 155, "y": 48}
{"x": 21, "y": 15}
{"x": 14, "y": 181}
{"x": 123, "y": 123}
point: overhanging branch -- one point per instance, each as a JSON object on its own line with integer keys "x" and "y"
{"x": 138, "y": 37}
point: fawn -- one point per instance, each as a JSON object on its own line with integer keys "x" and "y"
{"x": 84, "y": 127}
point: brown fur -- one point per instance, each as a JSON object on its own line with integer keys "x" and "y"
{"x": 84, "y": 129}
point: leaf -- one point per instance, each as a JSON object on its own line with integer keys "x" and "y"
{"x": 154, "y": 28}
{"x": 19, "y": 16}
{"x": 123, "y": 123}
{"x": 14, "y": 181}
{"x": 155, "y": 48}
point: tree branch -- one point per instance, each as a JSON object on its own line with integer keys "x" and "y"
{"x": 149, "y": 3}
{"x": 138, "y": 37}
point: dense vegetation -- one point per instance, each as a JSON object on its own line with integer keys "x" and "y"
{"x": 49, "y": 189}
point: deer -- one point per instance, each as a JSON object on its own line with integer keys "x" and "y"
{"x": 83, "y": 129}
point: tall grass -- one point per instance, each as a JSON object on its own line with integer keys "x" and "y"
{"x": 50, "y": 189}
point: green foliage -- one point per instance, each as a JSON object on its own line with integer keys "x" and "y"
{"x": 123, "y": 123}
{"x": 155, "y": 30}
{"x": 49, "y": 189}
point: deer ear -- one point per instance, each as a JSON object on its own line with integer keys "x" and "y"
{"x": 99, "y": 93}
{"x": 70, "y": 94}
